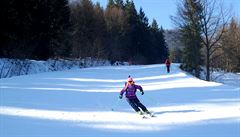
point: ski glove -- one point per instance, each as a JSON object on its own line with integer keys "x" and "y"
{"x": 120, "y": 96}
{"x": 142, "y": 92}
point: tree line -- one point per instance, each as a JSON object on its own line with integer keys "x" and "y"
{"x": 208, "y": 37}
{"x": 43, "y": 29}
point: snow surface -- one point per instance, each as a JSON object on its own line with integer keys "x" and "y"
{"x": 228, "y": 78}
{"x": 84, "y": 102}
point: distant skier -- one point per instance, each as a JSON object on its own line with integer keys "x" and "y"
{"x": 168, "y": 64}
{"x": 130, "y": 90}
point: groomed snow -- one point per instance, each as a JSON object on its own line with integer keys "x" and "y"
{"x": 84, "y": 102}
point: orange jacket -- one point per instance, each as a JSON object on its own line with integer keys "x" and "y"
{"x": 167, "y": 62}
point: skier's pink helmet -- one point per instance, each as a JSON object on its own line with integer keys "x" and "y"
{"x": 129, "y": 80}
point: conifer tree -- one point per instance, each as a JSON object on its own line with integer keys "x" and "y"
{"x": 189, "y": 15}
{"x": 83, "y": 20}
{"x": 116, "y": 22}
{"x": 32, "y": 27}
{"x": 59, "y": 29}
{"x": 100, "y": 48}
{"x": 159, "y": 47}
{"x": 132, "y": 29}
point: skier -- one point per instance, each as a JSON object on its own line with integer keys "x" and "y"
{"x": 168, "y": 63}
{"x": 130, "y": 94}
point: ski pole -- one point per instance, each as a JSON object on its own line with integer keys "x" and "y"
{"x": 115, "y": 104}
{"x": 152, "y": 99}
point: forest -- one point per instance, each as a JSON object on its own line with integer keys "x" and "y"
{"x": 206, "y": 36}
{"x": 33, "y": 29}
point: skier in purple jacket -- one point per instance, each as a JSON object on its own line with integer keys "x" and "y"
{"x": 130, "y": 90}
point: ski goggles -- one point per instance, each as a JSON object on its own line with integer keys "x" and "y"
{"x": 130, "y": 82}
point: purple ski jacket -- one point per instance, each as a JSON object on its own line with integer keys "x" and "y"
{"x": 131, "y": 91}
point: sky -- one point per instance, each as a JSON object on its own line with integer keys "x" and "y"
{"x": 161, "y": 10}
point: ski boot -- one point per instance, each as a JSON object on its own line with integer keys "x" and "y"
{"x": 140, "y": 112}
{"x": 148, "y": 113}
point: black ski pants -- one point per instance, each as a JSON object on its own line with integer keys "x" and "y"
{"x": 136, "y": 104}
{"x": 168, "y": 69}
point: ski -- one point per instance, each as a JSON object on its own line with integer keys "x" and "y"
{"x": 147, "y": 115}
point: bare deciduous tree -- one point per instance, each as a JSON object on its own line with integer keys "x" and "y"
{"x": 214, "y": 19}
{"x": 228, "y": 56}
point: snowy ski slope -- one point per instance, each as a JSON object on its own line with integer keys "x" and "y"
{"x": 84, "y": 102}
